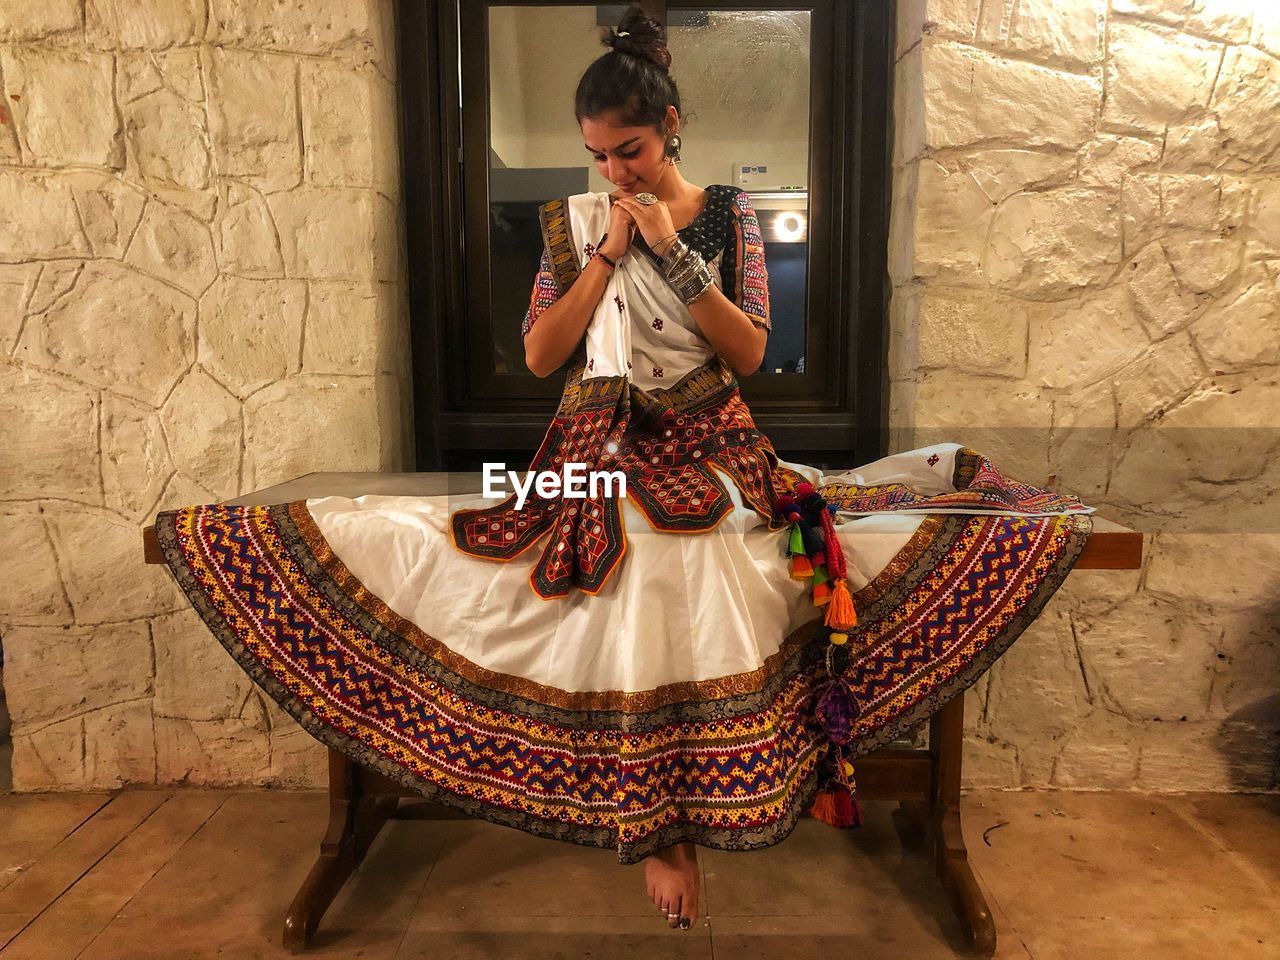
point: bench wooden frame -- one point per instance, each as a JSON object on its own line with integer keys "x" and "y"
{"x": 925, "y": 782}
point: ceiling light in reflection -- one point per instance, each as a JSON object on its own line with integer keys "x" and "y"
{"x": 789, "y": 226}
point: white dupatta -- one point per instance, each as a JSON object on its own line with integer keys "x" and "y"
{"x": 641, "y": 329}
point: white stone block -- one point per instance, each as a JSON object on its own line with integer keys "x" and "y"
{"x": 33, "y": 592}
{"x": 17, "y": 284}
{"x": 49, "y": 757}
{"x": 1162, "y": 305}
{"x": 101, "y": 556}
{"x": 952, "y": 214}
{"x": 1047, "y": 29}
{"x": 1245, "y": 99}
{"x": 1150, "y": 657}
{"x": 245, "y": 235}
{"x": 41, "y": 220}
{"x": 251, "y": 331}
{"x": 1231, "y": 571}
{"x": 1241, "y": 328}
{"x": 310, "y": 423}
{"x": 1081, "y": 444}
{"x": 52, "y": 673}
{"x": 1107, "y": 159}
{"x": 117, "y": 329}
{"x": 345, "y": 325}
{"x": 143, "y": 24}
{"x": 973, "y": 332}
{"x": 120, "y": 746}
{"x": 349, "y": 126}
{"x": 135, "y": 458}
{"x": 39, "y": 81}
{"x": 1080, "y": 342}
{"x": 328, "y": 27}
{"x": 196, "y": 679}
{"x": 253, "y": 116}
{"x": 51, "y": 19}
{"x": 1001, "y": 173}
{"x": 337, "y": 233}
{"x": 212, "y": 753}
{"x": 1046, "y": 246}
{"x": 175, "y": 246}
{"x": 202, "y": 422}
{"x": 1155, "y": 77}
{"x": 109, "y": 209}
{"x": 972, "y": 96}
{"x": 49, "y": 434}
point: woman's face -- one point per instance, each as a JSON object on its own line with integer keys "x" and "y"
{"x": 629, "y": 157}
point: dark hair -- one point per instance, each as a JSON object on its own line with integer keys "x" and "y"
{"x": 633, "y": 78}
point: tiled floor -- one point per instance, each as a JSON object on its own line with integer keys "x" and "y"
{"x": 145, "y": 874}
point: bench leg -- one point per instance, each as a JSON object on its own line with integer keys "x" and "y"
{"x": 946, "y": 740}
{"x": 355, "y": 817}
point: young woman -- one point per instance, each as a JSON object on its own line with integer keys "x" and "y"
{"x": 695, "y": 662}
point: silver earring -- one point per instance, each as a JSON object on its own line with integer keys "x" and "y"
{"x": 672, "y": 149}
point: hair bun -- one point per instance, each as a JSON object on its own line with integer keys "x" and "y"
{"x": 639, "y": 35}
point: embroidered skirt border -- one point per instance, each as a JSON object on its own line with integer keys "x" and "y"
{"x": 730, "y": 765}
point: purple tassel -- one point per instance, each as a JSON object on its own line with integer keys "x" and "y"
{"x": 837, "y": 709}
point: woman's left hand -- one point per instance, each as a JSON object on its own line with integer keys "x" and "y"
{"x": 653, "y": 220}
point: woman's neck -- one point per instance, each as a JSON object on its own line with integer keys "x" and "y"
{"x": 673, "y": 188}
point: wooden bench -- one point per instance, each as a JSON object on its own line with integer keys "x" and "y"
{"x": 925, "y": 782}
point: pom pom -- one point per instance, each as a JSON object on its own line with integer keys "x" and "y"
{"x": 838, "y": 638}
{"x": 804, "y": 489}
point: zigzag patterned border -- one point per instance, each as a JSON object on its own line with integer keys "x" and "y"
{"x": 338, "y": 661}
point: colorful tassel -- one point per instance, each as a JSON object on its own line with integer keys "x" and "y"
{"x": 824, "y": 807}
{"x": 838, "y": 807}
{"x": 840, "y": 610}
{"x": 837, "y": 709}
{"x": 801, "y": 568}
{"x": 841, "y": 614}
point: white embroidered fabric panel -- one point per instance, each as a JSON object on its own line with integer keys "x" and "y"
{"x": 641, "y": 329}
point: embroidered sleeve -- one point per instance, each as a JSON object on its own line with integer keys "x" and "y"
{"x": 742, "y": 271}
{"x": 545, "y": 293}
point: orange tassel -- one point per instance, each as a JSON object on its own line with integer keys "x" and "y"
{"x": 841, "y": 614}
{"x": 837, "y": 807}
{"x": 824, "y": 807}
{"x": 801, "y": 568}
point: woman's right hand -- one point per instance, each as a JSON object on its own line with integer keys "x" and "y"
{"x": 618, "y": 236}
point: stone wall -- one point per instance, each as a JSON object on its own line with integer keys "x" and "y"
{"x": 201, "y": 293}
{"x": 1085, "y": 257}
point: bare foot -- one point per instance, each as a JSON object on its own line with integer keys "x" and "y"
{"x": 671, "y": 876}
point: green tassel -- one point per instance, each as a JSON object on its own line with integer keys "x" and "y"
{"x": 797, "y": 540}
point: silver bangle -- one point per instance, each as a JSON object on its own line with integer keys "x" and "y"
{"x": 686, "y": 271}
